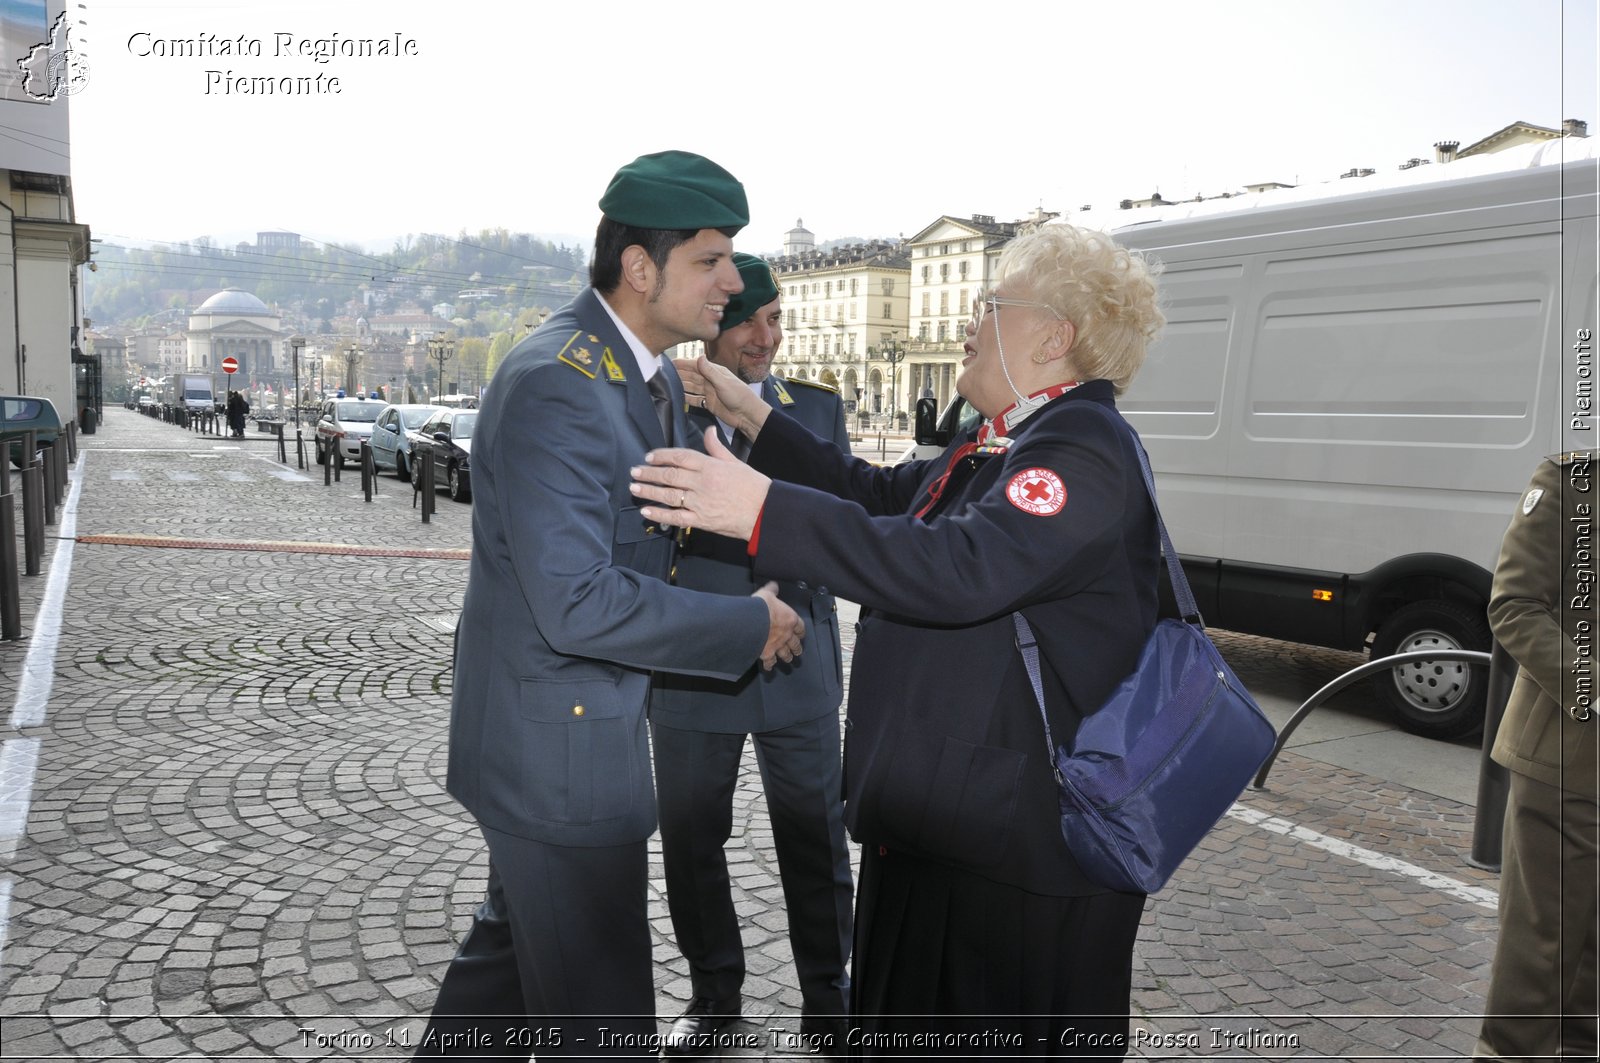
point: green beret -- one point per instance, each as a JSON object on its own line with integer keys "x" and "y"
{"x": 675, "y": 190}
{"x": 759, "y": 290}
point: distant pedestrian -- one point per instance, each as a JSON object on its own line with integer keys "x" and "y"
{"x": 1543, "y": 994}
{"x": 238, "y": 406}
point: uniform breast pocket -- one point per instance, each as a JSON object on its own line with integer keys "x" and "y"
{"x": 642, "y": 545}
{"x": 822, "y": 642}
{"x": 579, "y": 760}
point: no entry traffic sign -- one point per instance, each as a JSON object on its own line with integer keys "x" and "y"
{"x": 230, "y": 365}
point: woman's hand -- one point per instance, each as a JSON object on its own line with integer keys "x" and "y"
{"x": 714, "y": 388}
{"x": 714, "y": 492}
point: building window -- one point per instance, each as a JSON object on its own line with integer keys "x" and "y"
{"x": 922, "y": 332}
{"x": 852, "y": 286}
{"x": 944, "y": 273}
{"x": 888, "y": 288}
{"x": 927, "y": 274}
{"x": 963, "y": 267}
{"x": 944, "y": 302}
{"x": 963, "y": 301}
{"x": 944, "y": 249}
{"x": 888, "y": 311}
{"x": 924, "y": 304}
{"x": 941, "y": 331}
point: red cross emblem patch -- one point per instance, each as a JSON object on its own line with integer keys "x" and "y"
{"x": 1037, "y": 491}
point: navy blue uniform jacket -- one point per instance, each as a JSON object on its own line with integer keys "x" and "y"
{"x": 789, "y": 693}
{"x": 567, "y": 606}
{"x": 945, "y": 755}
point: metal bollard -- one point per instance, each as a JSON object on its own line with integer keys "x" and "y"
{"x": 63, "y": 485}
{"x": 283, "y": 454}
{"x": 327, "y": 466}
{"x": 72, "y": 442}
{"x": 32, "y": 517}
{"x": 47, "y": 485}
{"x": 422, "y": 473}
{"x": 368, "y": 470}
{"x": 10, "y": 579}
{"x": 1494, "y": 781}
{"x": 299, "y": 448}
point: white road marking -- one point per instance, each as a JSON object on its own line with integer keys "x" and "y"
{"x": 1393, "y": 865}
{"x": 19, "y": 757}
{"x": 5, "y": 915}
{"x": 125, "y": 474}
{"x": 182, "y": 475}
{"x": 38, "y": 668}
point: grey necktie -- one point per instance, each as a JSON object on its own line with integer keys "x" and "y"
{"x": 661, "y": 395}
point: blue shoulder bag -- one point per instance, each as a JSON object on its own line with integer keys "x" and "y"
{"x": 1154, "y": 768}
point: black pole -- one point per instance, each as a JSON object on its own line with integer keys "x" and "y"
{"x": 1494, "y": 781}
{"x": 10, "y": 578}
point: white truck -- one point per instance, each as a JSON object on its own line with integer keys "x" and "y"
{"x": 196, "y": 392}
{"x": 1354, "y": 385}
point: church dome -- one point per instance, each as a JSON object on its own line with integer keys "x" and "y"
{"x": 234, "y": 301}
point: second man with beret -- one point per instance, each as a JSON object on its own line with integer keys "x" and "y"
{"x": 699, "y": 725}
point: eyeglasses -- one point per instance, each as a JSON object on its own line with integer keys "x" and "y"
{"x": 985, "y": 303}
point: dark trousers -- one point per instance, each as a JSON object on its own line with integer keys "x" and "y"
{"x": 1543, "y": 993}
{"x": 557, "y": 961}
{"x": 993, "y": 969}
{"x": 696, "y": 774}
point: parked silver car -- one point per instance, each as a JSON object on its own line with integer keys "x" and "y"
{"x": 344, "y": 423}
{"x": 391, "y": 442}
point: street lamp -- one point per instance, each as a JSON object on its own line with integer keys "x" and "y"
{"x": 894, "y": 354}
{"x": 296, "y": 345}
{"x": 861, "y": 391}
{"x": 441, "y": 350}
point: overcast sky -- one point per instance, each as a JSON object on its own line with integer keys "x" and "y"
{"x": 865, "y": 119}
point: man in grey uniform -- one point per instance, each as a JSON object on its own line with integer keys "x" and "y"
{"x": 567, "y": 612}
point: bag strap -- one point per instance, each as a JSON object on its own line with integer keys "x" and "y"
{"x": 1029, "y": 646}
{"x": 1030, "y": 659}
{"x": 1187, "y": 608}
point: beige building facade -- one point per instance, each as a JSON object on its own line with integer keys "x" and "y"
{"x": 844, "y": 316}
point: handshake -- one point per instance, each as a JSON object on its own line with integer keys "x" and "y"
{"x": 784, "y": 632}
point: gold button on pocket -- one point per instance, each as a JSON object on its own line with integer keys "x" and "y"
{"x": 577, "y": 710}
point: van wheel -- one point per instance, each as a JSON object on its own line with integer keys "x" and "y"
{"x": 1436, "y": 699}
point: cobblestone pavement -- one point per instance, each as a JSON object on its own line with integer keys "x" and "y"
{"x": 238, "y": 844}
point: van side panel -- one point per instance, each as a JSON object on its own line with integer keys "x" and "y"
{"x": 1347, "y": 382}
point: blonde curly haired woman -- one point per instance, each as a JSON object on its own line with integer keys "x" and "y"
{"x": 976, "y": 932}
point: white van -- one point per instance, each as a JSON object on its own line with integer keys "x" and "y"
{"x": 1355, "y": 383}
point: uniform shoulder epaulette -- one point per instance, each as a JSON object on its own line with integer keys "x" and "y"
{"x": 819, "y": 385}
{"x": 577, "y": 354}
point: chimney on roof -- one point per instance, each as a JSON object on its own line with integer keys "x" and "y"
{"x": 1574, "y": 127}
{"x": 1445, "y": 150}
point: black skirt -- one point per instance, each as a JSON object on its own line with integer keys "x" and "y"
{"x": 950, "y": 964}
